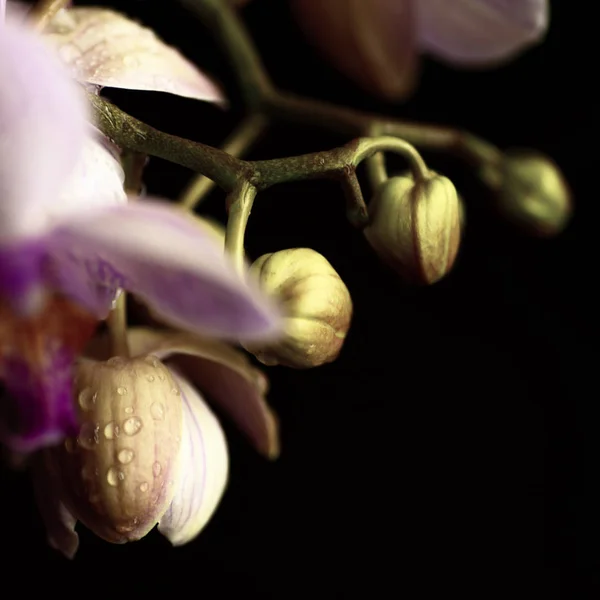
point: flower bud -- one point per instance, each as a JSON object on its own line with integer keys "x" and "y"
{"x": 117, "y": 476}
{"x": 530, "y": 192}
{"x": 415, "y": 226}
{"x": 317, "y": 304}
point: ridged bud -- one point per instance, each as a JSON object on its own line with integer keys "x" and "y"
{"x": 415, "y": 226}
{"x": 531, "y": 192}
{"x": 316, "y": 303}
{"x": 118, "y": 476}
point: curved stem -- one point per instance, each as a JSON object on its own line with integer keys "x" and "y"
{"x": 117, "y": 327}
{"x": 356, "y": 209}
{"x": 262, "y": 96}
{"x": 128, "y": 132}
{"x": 239, "y": 204}
{"x": 42, "y": 13}
{"x": 376, "y": 171}
{"x": 241, "y": 139}
{"x": 368, "y": 147}
{"x": 228, "y": 171}
{"x": 224, "y": 23}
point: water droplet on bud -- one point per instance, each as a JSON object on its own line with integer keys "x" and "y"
{"x": 125, "y": 456}
{"x": 88, "y": 435}
{"x": 114, "y": 476}
{"x": 132, "y": 425}
{"x": 111, "y": 430}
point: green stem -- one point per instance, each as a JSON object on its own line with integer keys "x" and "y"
{"x": 41, "y": 14}
{"x": 128, "y": 132}
{"x": 228, "y": 171}
{"x": 133, "y": 164}
{"x": 224, "y": 23}
{"x": 236, "y": 144}
{"x": 239, "y": 204}
{"x": 376, "y": 171}
{"x": 356, "y": 209}
{"x": 262, "y": 96}
{"x": 117, "y": 327}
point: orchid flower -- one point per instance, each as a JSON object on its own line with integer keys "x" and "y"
{"x": 64, "y": 257}
{"x": 377, "y": 43}
{"x": 149, "y": 450}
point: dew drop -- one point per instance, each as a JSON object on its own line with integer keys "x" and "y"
{"x": 87, "y": 399}
{"x": 144, "y": 486}
{"x": 88, "y": 435}
{"x": 121, "y": 390}
{"x": 175, "y": 392}
{"x": 129, "y": 410}
{"x": 157, "y": 411}
{"x": 125, "y": 456}
{"x": 156, "y": 469}
{"x": 69, "y": 445}
{"x": 150, "y": 378}
{"x": 113, "y": 476}
{"x": 161, "y": 376}
{"x": 132, "y": 425}
{"x": 111, "y": 431}
{"x": 152, "y": 360}
{"x": 123, "y": 528}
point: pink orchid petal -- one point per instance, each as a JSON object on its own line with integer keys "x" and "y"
{"x": 105, "y": 48}
{"x": 58, "y": 520}
{"x": 370, "y": 42}
{"x": 43, "y": 124}
{"x": 36, "y": 359}
{"x": 167, "y": 259}
{"x": 203, "y": 469}
{"x": 222, "y": 373}
{"x": 480, "y": 32}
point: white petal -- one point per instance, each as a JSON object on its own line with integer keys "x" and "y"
{"x": 480, "y": 32}
{"x": 166, "y": 258}
{"x": 203, "y": 471}
{"x": 43, "y": 123}
{"x": 105, "y": 48}
{"x": 98, "y": 180}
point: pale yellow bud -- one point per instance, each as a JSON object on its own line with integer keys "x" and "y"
{"x": 317, "y": 304}
{"x": 118, "y": 476}
{"x": 531, "y": 192}
{"x": 415, "y": 227}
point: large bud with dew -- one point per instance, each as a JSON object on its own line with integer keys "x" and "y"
{"x": 415, "y": 226}
{"x": 317, "y": 304}
{"x": 531, "y": 192}
{"x": 119, "y": 475}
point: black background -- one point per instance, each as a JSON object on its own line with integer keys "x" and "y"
{"x": 443, "y": 451}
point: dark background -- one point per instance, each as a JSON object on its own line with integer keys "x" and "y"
{"x": 439, "y": 453}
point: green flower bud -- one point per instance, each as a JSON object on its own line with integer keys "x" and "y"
{"x": 530, "y": 192}
{"x": 317, "y": 304}
{"x": 415, "y": 226}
